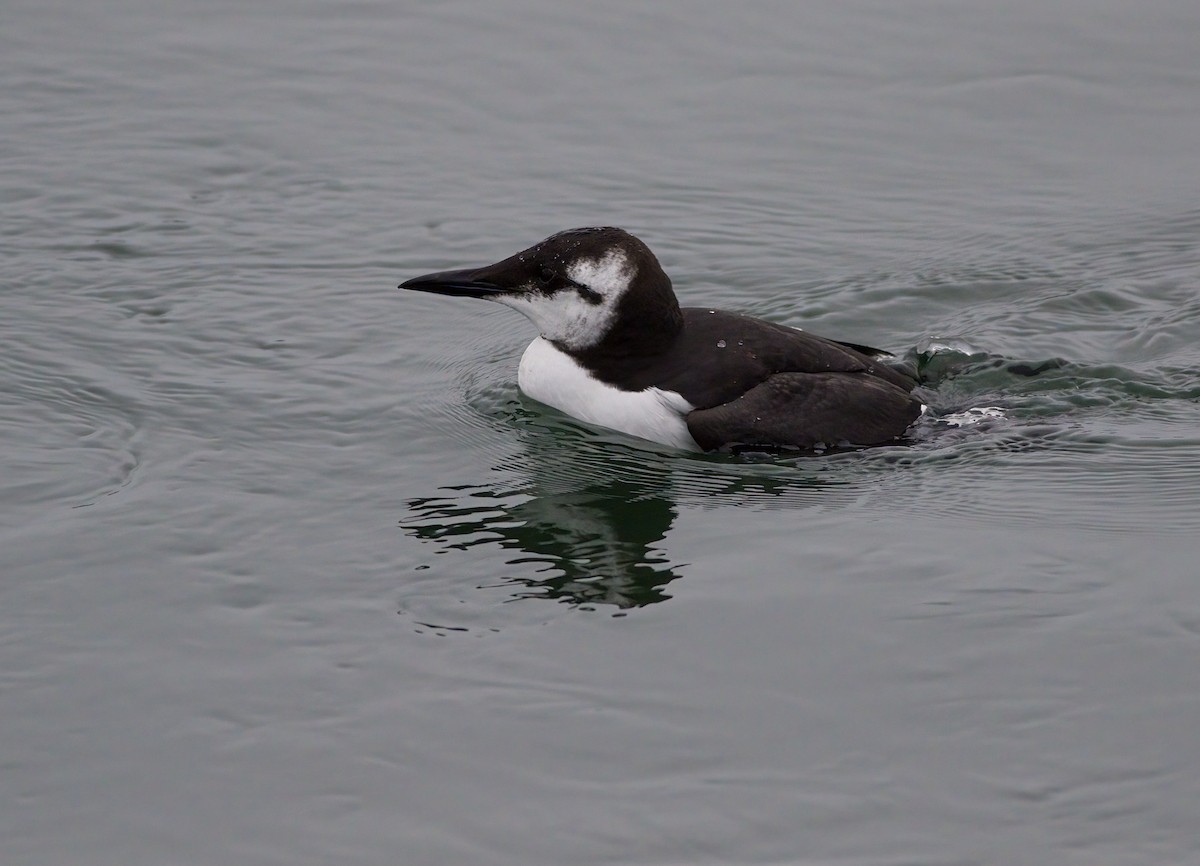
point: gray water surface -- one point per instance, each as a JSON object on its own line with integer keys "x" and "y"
{"x": 291, "y": 573}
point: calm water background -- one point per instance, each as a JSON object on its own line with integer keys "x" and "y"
{"x": 290, "y": 573}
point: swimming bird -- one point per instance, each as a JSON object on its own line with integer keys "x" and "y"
{"x": 616, "y": 350}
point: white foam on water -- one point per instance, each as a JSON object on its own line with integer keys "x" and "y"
{"x": 972, "y": 416}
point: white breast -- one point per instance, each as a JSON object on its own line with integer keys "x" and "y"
{"x": 553, "y": 377}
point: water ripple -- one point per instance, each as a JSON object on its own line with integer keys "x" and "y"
{"x": 64, "y": 412}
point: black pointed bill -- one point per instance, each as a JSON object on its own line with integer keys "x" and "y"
{"x": 458, "y": 284}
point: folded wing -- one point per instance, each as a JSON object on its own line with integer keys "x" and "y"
{"x": 805, "y": 410}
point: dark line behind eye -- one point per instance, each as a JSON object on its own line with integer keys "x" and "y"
{"x": 590, "y": 295}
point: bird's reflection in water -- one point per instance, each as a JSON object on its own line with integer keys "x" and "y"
{"x": 582, "y": 513}
{"x": 591, "y": 546}
{"x": 582, "y": 516}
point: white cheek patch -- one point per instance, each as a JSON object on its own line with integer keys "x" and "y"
{"x": 563, "y": 317}
{"x": 610, "y": 276}
{"x": 566, "y": 317}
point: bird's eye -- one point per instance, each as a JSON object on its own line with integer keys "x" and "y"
{"x": 545, "y": 275}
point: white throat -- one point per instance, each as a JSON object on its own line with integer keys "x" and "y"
{"x": 553, "y": 377}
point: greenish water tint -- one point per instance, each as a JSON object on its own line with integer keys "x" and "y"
{"x": 290, "y": 572}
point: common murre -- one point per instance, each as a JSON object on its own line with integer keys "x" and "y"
{"x": 616, "y": 350}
